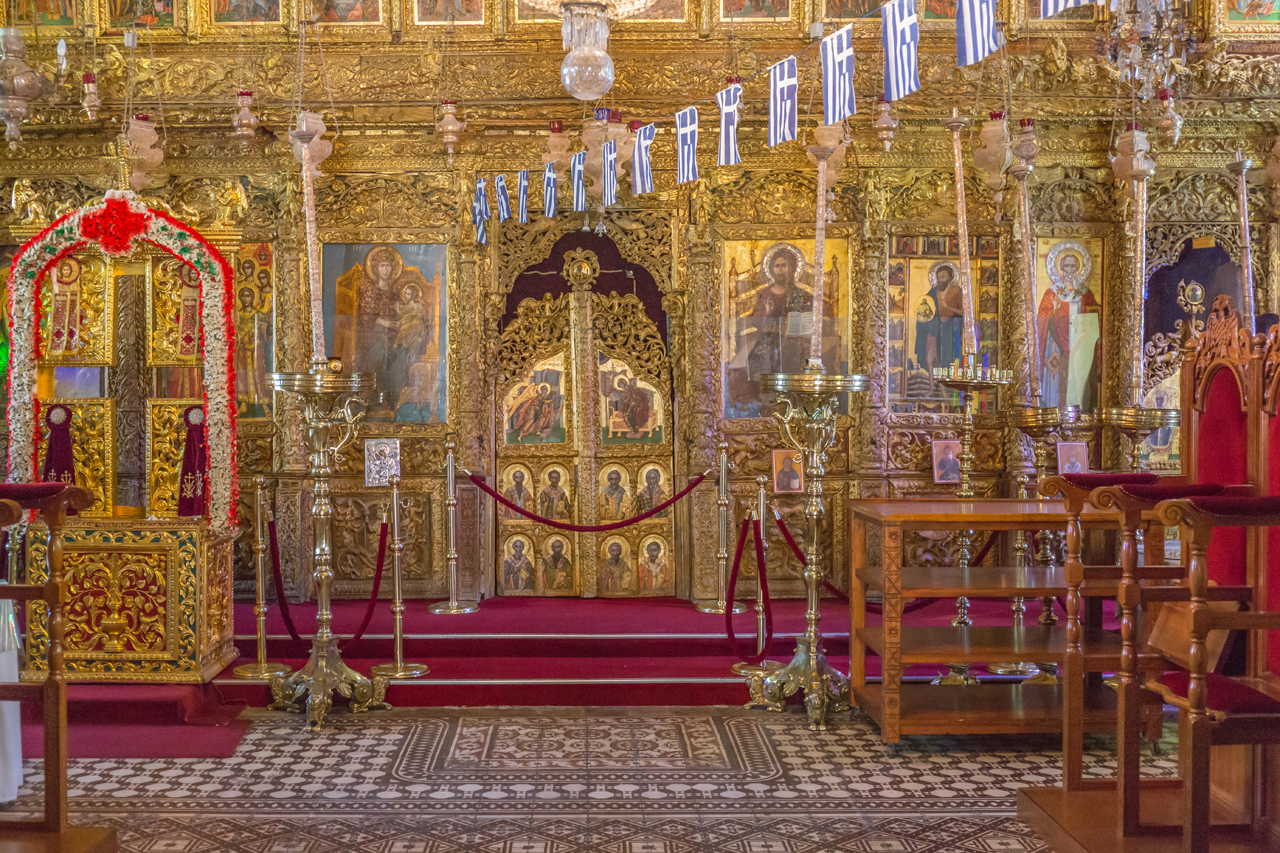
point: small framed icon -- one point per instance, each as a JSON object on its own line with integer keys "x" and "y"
{"x": 788, "y": 472}
{"x": 381, "y": 460}
{"x": 946, "y": 460}
{"x": 1073, "y": 457}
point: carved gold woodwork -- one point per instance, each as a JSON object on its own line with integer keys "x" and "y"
{"x": 166, "y": 436}
{"x": 95, "y": 306}
{"x": 143, "y": 605}
{"x": 93, "y": 448}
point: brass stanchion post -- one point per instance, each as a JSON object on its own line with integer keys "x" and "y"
{"x": 453, "y": 606}
{"x": 398, "y": 668}
{"x": 261, "y": 669}
{"x": 722, "y": 554}
{"x": 761, "y": 623}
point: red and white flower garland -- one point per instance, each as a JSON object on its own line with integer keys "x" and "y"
{"x": 116, "y": 225}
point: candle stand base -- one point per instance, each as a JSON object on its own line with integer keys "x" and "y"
{"x": 825, "y": 688}
{"x": 957, "y": 675}
{"x": 324, "y": 673}
{"x": 261, "y": 670}
{"x": 395, "y": 671}
{"x": 717, "y": 608}
{"x": 453, "y": 608}
{"x": 765, "y": 667}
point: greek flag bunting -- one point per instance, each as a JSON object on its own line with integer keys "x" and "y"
{"x": 838, "y": 101}
{"x": 1049, "y": 8}
{"x": 976, "y": 35}
{"x": 730, "y": 101}
{"x": 783, "y": 86}
{"x": 687, "y": 145}
{"x": 578, "y": 180}
{"x": 641, "y": 164}
{"x": 609, "y": 157}
{"x": 504, "y": 199}
{"x": 549, "y": 200}
{"x": 480, "y": 211}
{"x": 900, "y": 35}
{"x": 522, "y": 189}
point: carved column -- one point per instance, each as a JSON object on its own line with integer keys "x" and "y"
{"x": 586, "y": 410}
{"x": 124, "y": 383}
{"x": 703, "y": 383}
{"x": 867, "y": 453}
{"x": 1018, "y": 449}
{"x": 1270, "y": 301}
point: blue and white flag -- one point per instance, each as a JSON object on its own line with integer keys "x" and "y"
{"x": 578, "y": 180}
{"x": 783, "y": 86}
{"x": 641, "y": 164}
{"x": 609, "y": 159}
{"x": 976, "y": 35}
{"x": 480, "y": 211}
{"x": 1049, "y": 8}
{"x": 838, "y": 102}
{"x": 730, "y": 101}
{"x": 504, "y": 199}
{"x": 687, "y": 145}
{"x": 522, "y": 188}
{"x": 900, "y": 35}
{"x": 549, "y": 200}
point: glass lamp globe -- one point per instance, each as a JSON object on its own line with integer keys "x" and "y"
{"x": 587, "y": 71}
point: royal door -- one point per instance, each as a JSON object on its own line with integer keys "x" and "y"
{"x": 584, "y": 435}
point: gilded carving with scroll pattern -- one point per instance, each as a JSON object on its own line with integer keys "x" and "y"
{"x": 643, "y": 237}
{"x": 96, "y": 286}
{"x": 1271, "y": 370}
{"x": 117, "y": 601}
{"x": 93, "y": 437}
{"x": 166, "y": 439}
{"x": 622, "y": 329}
{"x": 581, "y": 268}
{"x": 540, "y": 326}
{"x": 1224, "y": 339}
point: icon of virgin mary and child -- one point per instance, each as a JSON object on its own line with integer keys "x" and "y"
{"x": 386, "y": 323}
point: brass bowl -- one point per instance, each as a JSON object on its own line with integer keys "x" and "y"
{"x": 1133, "y": 419}
{"x": 972, "y": 385}
{"x": 814, "y": 383}
{"x": 1029, "y": 418}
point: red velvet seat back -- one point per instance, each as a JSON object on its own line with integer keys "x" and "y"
{"x": 1222, "y": 456}
{"x": 1273, "y": 540}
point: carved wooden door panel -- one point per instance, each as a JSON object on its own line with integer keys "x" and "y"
{"x": 584, "y": 435}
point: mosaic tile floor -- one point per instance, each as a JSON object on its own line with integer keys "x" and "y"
{"x": 572, "y": 780}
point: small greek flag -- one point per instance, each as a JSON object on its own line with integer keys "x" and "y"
{"x": 900, "y": 35}
{"x": 480, "y": 211}
{"x": 610, "y": 169}
{"x": 641, "y": 164}
{"x": 578, "y": 180}
{"x": 783, "y": 86}
{"x": 522, "y": 188}
{"x": 838, "y": 102}
{"x": 1049, "y": 8}
{"x": 976, "y": 36}
{"x": 730, "y": 101}
{"x": 504, "y": 199}
{"x": 687, "y": 145}
{"x": 549, "y": 199}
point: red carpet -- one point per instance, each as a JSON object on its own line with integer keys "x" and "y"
{"x": 141, "y": 721}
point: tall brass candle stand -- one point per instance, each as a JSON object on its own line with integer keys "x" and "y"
{"x": 741, "y": 667}
{"x": 958, "y": 673}
{"x": 261, "y": 669}
{"x": 722, "y": 553}
{"x": 330, "y": 400}
{"x": 807, "y": 422}
{"x": 452, "y": 607}
{"x": 398, "y": 668}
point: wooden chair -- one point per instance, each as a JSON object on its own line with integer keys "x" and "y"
{"x": 1078, "y": 667}
{"x": 53, "y": 832}
{"x": 1213, "y": 709}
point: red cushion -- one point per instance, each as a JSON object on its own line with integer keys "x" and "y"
{"x": 1223, "y": 694}
{"x": 30, "y": 495}
{"x": 1161, "y": 492}
{"x": 1241, "y": 508}
{"x": 1098, "y": 481}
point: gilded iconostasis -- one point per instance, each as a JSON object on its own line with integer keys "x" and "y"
{"x": 587, "y": 363}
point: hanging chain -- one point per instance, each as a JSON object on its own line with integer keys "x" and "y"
{"x": 324, "y": 72}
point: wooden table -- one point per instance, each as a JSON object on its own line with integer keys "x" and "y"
{"x": 903, "y": 709}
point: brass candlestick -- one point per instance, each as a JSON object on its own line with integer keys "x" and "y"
{"x": 718, "y": 606}
{"x": 741, "y": 667}
{"x": 261, "y": 669}
{"x": 330, "y": 400}
{"x": 397, "y": 668}
{"x": 807, "y": 423}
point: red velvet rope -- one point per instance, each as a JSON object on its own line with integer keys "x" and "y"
{"x": 373, "y": 598}
{"x": 832, "y": 588}
{"x": 281, "y": 601}
{"x": 584, "y": 528}
{"x": 733, "y": 583}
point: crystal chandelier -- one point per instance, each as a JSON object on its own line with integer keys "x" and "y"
{"x": 587, "y": 70}
{"x": 1149, "y": 43}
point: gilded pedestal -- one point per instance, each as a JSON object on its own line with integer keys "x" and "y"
{"x": 807, "y": 422}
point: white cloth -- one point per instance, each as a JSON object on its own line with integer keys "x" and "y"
{"x": 10, "y": 712}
